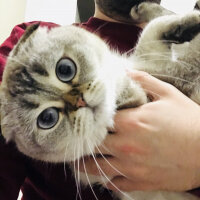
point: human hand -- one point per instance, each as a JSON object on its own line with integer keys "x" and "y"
{"x": 156, "y": 145}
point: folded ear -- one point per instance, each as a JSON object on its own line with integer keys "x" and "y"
{"x": 29, "y": 31}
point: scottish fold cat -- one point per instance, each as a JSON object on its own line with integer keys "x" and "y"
{"x": 62, "y": 87}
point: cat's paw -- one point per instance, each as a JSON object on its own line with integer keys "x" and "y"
{"x": 147, "y": 11}
{"x": 184, "y": 29}
{"x": 132, "y": 95}
{"x": 138, "y": 12}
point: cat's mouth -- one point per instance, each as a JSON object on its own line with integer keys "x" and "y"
{"x": 80, "y": 104}
{"x": 74, "y": 103}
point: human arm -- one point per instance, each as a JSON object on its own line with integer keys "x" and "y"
{"x": 155, "y": 145}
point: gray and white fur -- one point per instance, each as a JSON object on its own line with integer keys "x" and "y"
{"x": 62, "y": 87}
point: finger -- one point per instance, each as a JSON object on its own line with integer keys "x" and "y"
{"x": 125, "y": 122}
{"x": 150, "y": 84}
{"x": 123, "y": 184}
{"x": 129, "y": 121}
{"x": 105, "y": 149}
{"x": 99, "y": 166}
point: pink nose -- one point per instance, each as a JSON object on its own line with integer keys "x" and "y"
{"x": 80, "y": 103}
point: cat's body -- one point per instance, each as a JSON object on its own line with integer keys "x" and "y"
{"x": 61, "y": 87}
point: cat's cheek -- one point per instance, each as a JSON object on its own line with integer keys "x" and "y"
{"x": 88, "y": 131}
{"x": 95, "y": 93}
{"x": 83, "y": 125}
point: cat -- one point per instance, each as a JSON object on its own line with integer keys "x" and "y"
{"x": 59, "y": 93}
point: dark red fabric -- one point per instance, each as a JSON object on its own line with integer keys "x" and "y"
{"x": 120, "y": 37}
{"x": 47, "y": 181}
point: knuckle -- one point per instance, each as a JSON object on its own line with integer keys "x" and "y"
{"x": 168, "y": 85}
{"x": 169, "y": 89}
{"x": 141, "y": 173}
{"x": 133, "y": 122}
{"x": 140, "y": 75}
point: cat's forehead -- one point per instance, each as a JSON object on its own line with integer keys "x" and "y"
{"x": 65, "y": 36}
{"x": 68, "y": 41}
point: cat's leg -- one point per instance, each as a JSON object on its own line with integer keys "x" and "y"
{"x": 132, "y": 95}
{"x": 157, "y": 38}
{"x": 147, "y": 11}
{"x": 171, "y": 29}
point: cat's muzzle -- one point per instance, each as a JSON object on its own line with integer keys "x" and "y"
{"x": 75, "y": 102}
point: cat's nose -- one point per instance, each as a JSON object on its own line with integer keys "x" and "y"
{"x": 74, "y": 102}
{"x": 80, "y": 103}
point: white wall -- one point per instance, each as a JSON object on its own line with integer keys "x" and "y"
{"x": 59, "y": 11}
{"x": 14, "y": 12}
{"x": 179, "y": 6}
{"x": 11, "y": 13}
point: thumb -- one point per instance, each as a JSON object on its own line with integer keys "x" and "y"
{"x": 152, "y": 86}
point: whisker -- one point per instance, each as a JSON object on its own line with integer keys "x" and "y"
{"x": 113, "y": 167}
{"x": 100, "y": 173}
{"x": 88, "y": 178}
{"x": 159, "y": 41}
{"x": 165, "y": 58}
{"x": 125, "y": 194}
{"x": 163, "y": 54}
{"x": 78, "y": 166}
{"x": 102, "y": 145}
{"x": 173, "y": 77}
{"x": 78, "y": 193}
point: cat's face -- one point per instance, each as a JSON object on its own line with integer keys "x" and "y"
{"x": 54, "y": 98}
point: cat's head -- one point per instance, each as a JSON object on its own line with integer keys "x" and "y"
{"x": 54, "y": 94}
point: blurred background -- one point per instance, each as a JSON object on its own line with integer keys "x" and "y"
{"x": 62, "y": 12}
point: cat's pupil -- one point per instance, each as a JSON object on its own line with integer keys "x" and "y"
{"x": 48, "y": 118}
{"x": 65, "y": 70}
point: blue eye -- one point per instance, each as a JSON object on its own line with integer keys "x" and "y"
{"x": 65, "y": 70}
{"x": 48, "y": 118}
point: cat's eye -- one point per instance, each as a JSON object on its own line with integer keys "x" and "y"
{"x": 48, "y": 118}
{"x": 65, "y": 70}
